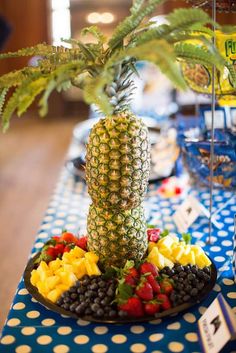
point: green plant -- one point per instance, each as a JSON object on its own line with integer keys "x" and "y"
{"x": 94, "y": 66}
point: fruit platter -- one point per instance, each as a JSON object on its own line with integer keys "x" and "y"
{"x": 172, "y": 276}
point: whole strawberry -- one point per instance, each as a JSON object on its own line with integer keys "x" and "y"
{"x": 131, "y": 277}
{"x": 155, "y": 285}
{"x": 152, "y": 307}
{"x": 133, "y": 307}
{"x": 82, "y": 243}
{"x": 164, "y": 300}
{"x": 144, "y": 289}
{"x": 153, "y": 234}
{"x": 166, "y": 286}
{"x": 147, "y": 267}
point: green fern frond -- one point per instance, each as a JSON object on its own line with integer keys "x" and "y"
{"x": 41, "y": 49}
{"x": 96, "y": 32}
{"x": 137, "y": 4}
{"x": 183, "y": 18}
{"x": 131, "y": 23}
{"x": 3, "y": 93}
{"x": 15, "y": 78}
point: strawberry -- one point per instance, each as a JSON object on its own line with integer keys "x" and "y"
{"x": 144, "y": 290}
{"x": 147, "y": 267}
{"x": 133, "y": 306}
{"x": 155, "y": 285}
{"x": 68, "y": 237}
{"x": 56, "y": 238}
{"x": 165, "y": 303}
{"x": 50, "y": 252}
{"x": 82, "y": 243}
{"x": 132, "y": 276}
{"x": 153, "y": 234}
{"x": 166, "y": 286}
{"x": 66, "y": 249}
{"x": 59, "y": 248}
{"x": 152, "y": 307}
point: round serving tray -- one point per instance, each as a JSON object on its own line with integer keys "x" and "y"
{"x": 49, "y": 305}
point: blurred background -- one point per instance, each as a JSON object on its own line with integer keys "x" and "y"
{"x": 33, "y": 151}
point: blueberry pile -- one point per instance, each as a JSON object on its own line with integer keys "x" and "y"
{"x": 92, "y": 296}
{"x": 188, "y": 282}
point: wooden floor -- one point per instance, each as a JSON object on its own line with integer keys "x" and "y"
{"x": 31, "y": 156}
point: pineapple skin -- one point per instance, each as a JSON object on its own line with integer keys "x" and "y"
{"x": 118, "y": 162}
{"x": 117, "y": 235}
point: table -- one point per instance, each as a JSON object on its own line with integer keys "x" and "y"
{"x": 32, "y": 328}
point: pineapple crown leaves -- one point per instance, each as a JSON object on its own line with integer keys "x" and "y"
{"x": 95, "y": 66}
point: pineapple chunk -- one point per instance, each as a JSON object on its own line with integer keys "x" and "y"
{"x": 34, "y": 277}
{"x": 67, "y": 278}
{"x": 43, "y": 271}
{"x": 92, "y": 268}
{"x": 191, "y": 258}
{"x": 165, "y": 242}
{"x": 77, "y": 252}
{"x": 203, "y": 260}
{"x": 91, "y": 257}
{"x": 62, "y": 287}
{"x": 166, "y": 252}
{"x": 67, "y": 257}
{"x": 68, "y": 268}
{"x": 156, "y": 258}
{"x": 42, "y": 288}
{"x": 79, "y": 268}
{"x": 178, "y": 252}
{"x": 168, "y": 262}
{"x": 197, "y": 250}
{"x": 54, "y": 295}
{"x": 55, "y": 264}
{"x": 151, "y": 245}
{"x": 52, "y": 281}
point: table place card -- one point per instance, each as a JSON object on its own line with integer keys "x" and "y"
{"x": 216, "y": 326}
{"x": 187, "y": 213}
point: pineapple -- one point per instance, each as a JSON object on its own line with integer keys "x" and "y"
{"x": 118, "y": 154}
{"x": 117, "y": 235}
{"x": 118, "y": 162}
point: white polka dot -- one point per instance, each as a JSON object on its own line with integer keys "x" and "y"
{"x": 59, "y": 222}
{"x": 202, "y": 309}
{"x": 231, "y": 295}
{"x": 27, "y": 331}
{"x": 189, "y": 318}
{"x": 61, "y": 348}
{"x": 43, "y": 235}
{"x": 81, "y": 339}
{"x": 100, "y": 330}
{"x": 39, "y": 245}
{"x": 82, "y": 322}
{"x": 8, "y": 339}
{"x": 23, "y": 349}
{"x": 219, "y": 258}
{"x": 137, "y": 329}
{"x": 99, "y": 348}
{"x": 13, "y": 322}
{"x": 34, "y": 300}
{"x": 44, "y": 339}
{"x": 155, "y": 337}
{"x": 215, "y": 248}
{"x": 33, "y": 314}
{"x": 18, "y": 306}
{"x": 138, "y": 348}
{"x": 229, "y": 253}
{"x": 174, "y": 326}
{"x": 155, "y": 322}
{"x": 119, "y": 339}
{"x": 64, "y": 330}
{"x": 175, "y": 347}
{"x": 23, "y": 291}
{"x": 217, "y": 288}
{"x": 227, "y": 243}
{"x": 46, "y": 226}
{"x": 228, "y": 220}
{"x": 225, "y": 212}
{"x": 157, "y": 352}
{"x": 222, "y": 233}
{"x": 48, "y": 322}
{"x": 191, "y": 337}
{"x": 228, "y": 282}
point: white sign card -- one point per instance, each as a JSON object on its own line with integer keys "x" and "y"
{"x": 216, "y": 326}
{"x": 187, "y": 213}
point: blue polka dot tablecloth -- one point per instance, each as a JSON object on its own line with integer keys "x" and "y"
{"x": 32, "y": 328}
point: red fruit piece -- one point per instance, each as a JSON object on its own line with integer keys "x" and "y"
{"x": 152, "y": 307}
{"x": 68, "y": 237}
{"x": 144, "y": 290}
{"x": 178, "y": 190}
{"x": 50, "y": 252}
{"x": 164, "y": 300}
{"x": 166, "y": 286}
{"x": 155, "y": 285}
{"x": 133, "y": 306}
{"x": 82, "y": 243}
{"x": 153, "y": 234}
{"x": 147, "y": 267}
{"x": 67, "y": 249}
{"x": 59, "y": 248}
{"x": 56, "y": 238}
{"x": 132, "y": 276}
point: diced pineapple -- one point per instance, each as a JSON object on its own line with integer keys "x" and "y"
{"x": 187, "y": 249}
{"x": 52, "y": 281}
{"x": 67, "y": 278}
{"x": 68, "y": 268}
{"x": 203, "y": 260}
{"x": 151, "y": 245}
{"x": 197, "y": 250}
{"x": 168, "y": 262}
{"x": 79, "y": 268}
{"x": 42, "y": 288}
{"x": 165, "y": 242}
{"x": 54, "y": 295}
{"x": 34, "y": 277}
{"x": 177, "y": 252}
{"x": 62, "y": 287}
{"x": 43, "y": 271}
{"x": 67, "y": 257}
{"x": 183, "y": 260}
{"x": 91, "y": 257}
{"x": 191, "y": 258}
{"x": 92, "y": 268}
{"x": 156, "y": 258}
{"x": 55, "y": 264}
{"x": 166, "y": 252}
{"x": 77, "y": 252}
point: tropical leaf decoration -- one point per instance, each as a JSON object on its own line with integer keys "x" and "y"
{"x": 104, "y": 69}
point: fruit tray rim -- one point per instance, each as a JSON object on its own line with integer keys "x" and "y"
{"x": 167, "y": 313}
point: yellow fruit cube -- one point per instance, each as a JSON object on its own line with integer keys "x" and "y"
{"x": 156, "y": 258}
{"x": 62, "y": 287}
{"x": 68, "y": 268}
{"x": 91, "y": 257}
{"x": 151, "y": 245}
{"x": 55, "y": 264}
{"x": 77, "y": 252}
{"x": 54, "y": 295}
{"x": 42, "y": 288}
{"x": 79, "y": 268}
{"x": 197, "y": 249}
{"x": 34, "y": 277}
{"x": 68, "y": 257}
{"x": 52, "y": 281}
{"x": 177, "y": 252}
{"x": 67, "y": 278}
{"x": 92, "y": 268}
{"x": 203, "y": 260}
{"x": 165, "y": 242}
{"x": 168, "y": 262}
{"x": 166, "y": 252}
{"x": 183, "y": 260}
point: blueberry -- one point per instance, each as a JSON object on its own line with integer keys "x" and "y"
{"x": 194, "y": 292}
{"x": 60, "y": 301}
{"x": 207, "y": 270}
{"x": 175, "y": 277}
{"x": 112, "y": 313}
{"x": 180, "y": 286}
{"x": 200, "y": 286}
{"x": 191, "y": 276}
{"x": 110, "y": 292}
{"x": 206, "y": 277}
{"x": 80, "y": 308}
{"x": 182, "y": 292}
{"x": 105, "y": 301}
{"x": 188, "y": 288}
{"x": 73, "y": 306}
{"x": 180, "y": 280}
{"x": 97, "y": 300}
{"x": 74, "y": 295}
{"x": 89, "y": 294}
{"x": 82, "y": 290}
{"x": 179, "y": 268}
{"x": 101, "y": 294}
{"x": 102, "y": 284}
{"x": 100, "y": 313}
{"x": 182, "y": 274}
{"x": 122, "y": 313}
{"x": 67, "y": 299}
{"x": 88, "y": 311}
{"x": 93, "y": 286}
{"x": 72, "y": 289}
{"x": 186, "y": 298}
{"x": 66, "y": 306}
{"x": 81, "y": 298}
{"x": 95, "y": 307}
{"x": 200, "y": 274}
